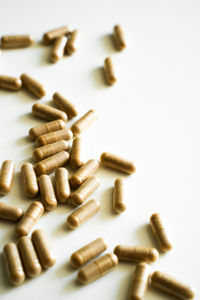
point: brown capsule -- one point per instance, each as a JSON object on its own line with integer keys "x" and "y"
{"x": 62, "y": 185}
{"x": 6, "y": 176}
{"x": 10, "y": 212}
{"x": 109, "y": 71}
{"x": 33, "y": 86}
{"x": 140, "y": 282}
{"x": 84, "y": 122}
{"x": 43, "y": 249}
{"x": 50, "y": 36}
{"x": 136, "y": 253}
{"x": 88, "y": 252}
{"x": 47, "y": 192}
{"x": 58, "y": 48}
{"x": 119, "y": 38}
{"x": 97, "y": 268}
{"x": 30, "y": 218}
{"x": 75, "y": 155}
{"x": 46, "y": 128}
{"x": 49, "y": 150}
{"x": 119, "y": 205}
{"x": 83, "y": 173}
{"x": 47, "y": 112}
{"x": 16, "y": 41}
{"x": 72, "y": 42}
{"x": 55, "y": 136}
{"x": 29, "y": 180}
{"x": 64, "y": 104}
{"x": 116, "y": 162}
{"x": 10, "y": 83}
{"x": 82, "y": 214}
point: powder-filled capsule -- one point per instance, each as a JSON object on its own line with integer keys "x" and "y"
{"x": 49, "y": 150}
{"x": 47, "y": 192}
{"x": 16, "y": 41}
{"x": 29, "y": 179}
{"x": 46, "y": 128}
{"x": 109, "y": 71}
{"x": 83, "y": 173}
{"x": 75, "y": 155}
{"x": 33, "y": 86}
{"x": 84, "y": 122}
{"x": 64, "y": 104}
{"x": 47, "y": 112}
{"x": 136, "y": 253}
{"x": 119, "y": 39}
{"x": 10, "y": 212}
{"x": 58, "y": 48}
{"x": 50, "y": 36}
{"x": 119, "y": 205}
{"x": 62, "y": 185}
{"x": 6, "y": 176}
{"x": 140, "y": 282}
{"x": 55, "y": 136}
{"x": 116, "y": 162}
{"x": 72, "y": 42}
{"x": 10, "y": 83}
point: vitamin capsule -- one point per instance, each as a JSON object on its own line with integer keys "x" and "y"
{"x": 46, "y": 128}
{"x": 10, "y": 83}
{"x": 55, "y": 136}
{"x": 47, "y": 192}
{"x": 29, "y": 180}
{"x": 58, "y": 48}
{"x": 43, "y": 249}
{"x": 16, "y": 41}
{"x": 10, "y": 212}
{"x": 47, "y": 112}
{"x": 75, "y": 155}
{"x": 6, "y": 176}
{"x": 118, "y": 196}
{"x": 116, "y": 162}
{"x": 62, "y": 185}
{"x": 72, "y": 42}
{"x": 29, "y": 257}
{"x": 160, "y": 233}
{"x": 49, "y": 150}
{"x": 88, "y": 252}
{"x": 97, "y": 268}
{"x": 136, "y": 253}
{"x": 50, "y": 36}
{"x": 119, "y": 37}
{"x": 64, "y": 104}
{"x": 84, "y": 122}
{"x": 172, "y": 286}
{"x": 51, "y": 163}
{"x": 82, "y": 174}
{"x": 13, "y": 264}
{"x": 33, "y": 86}
{"x": 140, "y": 282}
{"x": 82, "y": 214}
{"x": 85, "y": 190}
{"x": 30, "y": 218}
{"x": 109, "y": 71}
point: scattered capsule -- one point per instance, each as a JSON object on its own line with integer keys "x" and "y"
{"x": 33, "y": 86}
{"x": 16, "y": 41}
{"x": 84, "y": 122}
{"x": 55, "y": 136}
{"x": 29, "y": 180}
{"x": 49, "y": 150}
{"x": 109, "y": 71}
{"x": 64, "y": 104}
{"x": 47, "y": 112}
{"x": 47, "y": 192}
{"x": 50, "y": 36}
{"x": 116, "y": 162}
{"x": 58, "y": 48}
{"x": 46, "y": 128}
{"x": 136, "y": 253}
{"x": 140, "y": 282}
{"x": 119, "y": 205}
{"x": 10, "y": 83}
{"x": 6, "y": 176}
{"x": 119, "y": 38}
{"x": 72, "y": 42}
{"x": 10, "y": 212}
{"x": 62, "y": 185}
{"x": 83, "y": 173}
{"x": 75, "y": 155}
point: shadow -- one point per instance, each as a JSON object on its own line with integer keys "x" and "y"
{"x": 106, "y": 210}
{"x": 124, "y": 287}
{"x": 109, "y": 43}
{"x": 30, "y": 119}
{"x": 73, "y": 285}
{"x": 145, "y": 236}
{"x": 99, "y": 77}
{"x": 64, "y": 270}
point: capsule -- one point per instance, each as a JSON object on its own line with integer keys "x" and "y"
{"x": 64, "y": 104}
{"x": 33, "y": 86}
{"x": 62, "y": 185}
{"x": 29, "y": 180}
{"x": 43, "y": 249}
{"x": 10, "y": 212}
{"x": 50, "y": 36}
{"x": 136, "y": 253}
{"x": 109, "y": 71}
{"x": 75, "y": 155}
{"x": 84, "y": 122}
{"x": 82, "y": 214}
{"x": 30, "y": 218}
{"x": 47, "y": 112}
{"x": 46, "y": 128}
{"x": 88, "y": 252}
{"x": 55, "y": 136}
{"x": 172, "y": 286}
{"x": 97, "y": 268}
{"x": 51, "y": 163}
{"x": 140, "y": 282}
{"x": 85, "y": 190}
{"x": 83, "y": 173}
{"x": 6, "y": 176}
{"x": 116, "y": 162}
{"x": 49, "y": 150}
{"x": 159, "y": 232}
{"x": 10, "y": 83}
{"x": 119, "y": 205}
{"x": 119, "y": 39}
{"x": 29, "y": 257}
{"x": 72, "y": 42}
{"x": 47, "y": 192}
{"x": 58, "y": 48}
{"x": 16, "y": 41}
{"x": 13, "y": 264}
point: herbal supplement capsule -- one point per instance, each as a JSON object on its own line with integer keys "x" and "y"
{"x": 109, "y": 71}
{"x": 62, "y": 185}
{"x": 46, "y": 128}
{"x": 10, "y": 212}
{"x": 47, "y": 192}
{"x": 119, "y": 37}
{"x": 51, "y": 163}
{"x": 49, "y": 150}
{"x": 33, "y": 86}
{"x": 88, "y": 252}
{"x": 75, "y": 155}
{"x": 118, "y": 196}
{"x": 13, "y": 264}
{"x": 29, "y": 257}
{"x": 140, "y": 282}
{"x": 55, "y": 136}
{"x": 47, "y": 112}
{"x": 64, "y": 104}
{"x": 72, "y": 42}
{"x": 136, "y": 253}
{"x": 172, "y": 286}
{"x": 50, "y": 36}
{"x": 83, "y": 173}
{"x": 58, "y": 48}
{"x": 84, "y": 122}
{"x": 30, "y": 218}
{"x": 82, "y": 214}
{"x": 10, "y": 83}
{"x": 43, "y": 249}
{"x": 6, "y": 176}
{"x": 29, "y": 180}
{"x": 85, "y": 190}
{"x": 160, "y": 233}
{"x": 116, "y": 162}
{"x": 16, "y": 41}
{"x": 97, "y": 268}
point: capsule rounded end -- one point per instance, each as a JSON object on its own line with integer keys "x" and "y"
{"x": 72, "y": 222}
{"x": 40, "y": 169}
{"x": 76, "y": 260}
{"x": 119, "y": 207}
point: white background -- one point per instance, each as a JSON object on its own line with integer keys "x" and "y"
{"x": 150, "y": 116}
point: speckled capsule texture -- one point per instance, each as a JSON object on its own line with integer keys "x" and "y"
{"x": 29, "y": 180}
{"x": 55, "y": 136}
{"x": 119, "y": 205}
{"x": 64, "y": 104}
{"x": 84, "y": 122}
{"x": 46, "y": 128}
{"x": 117, "y": 162}
{"x": 109, "y": 71}
{"x": 83, "y": 173}
{"x": 58, "y": 48}
{"x": 136, "y": 254}
{"x": 119, "y": 38}
{"x": 33, "y": 86}
{"x": 10, "y": 212}
{"x": 47, "y": 192}
{"x": 16, "y": 41}
{"x": 140, "y": 282}
{"x": 75, "y": 155}
{"x": 72, "y": 42}
{"x": 10, "y": 83}
{"x": 47, "y": 112}
{"x": 49, "y": 150}
{"x": 6, "y": 176}
{"x": 51, "y": 35}
{"x": 62, "y": 185}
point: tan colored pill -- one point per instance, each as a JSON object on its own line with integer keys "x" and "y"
{"x": 85, "y": 190}
{"x": 88, "y": 252}
{"x": 84, "y": 122}
{"x": 6, "y": 176}
{"x": 136, "y": 253}
{"x": 55, "y": 136}
{"x": 47, "y": 192}
{"x": 97, "y": 268}
{"x": 29, "y": 179}
{"x": 58, "y": 48}
{"x": 119, "y": 39}
{"x": 50, "y": 36}
{"x": 140, "y": 282}
{"x": 109, "y": 71}
{"x": 10, "y": 83}
{"x": 62, "y": 185}
{"x": 29, "y": 257}
{"x": 46, "y": 128}
{"x": 84, "y": 172}
{"x": 16, "y": 41}
{"x": 75, "y": 155}
{"x": 33, "y": 86}
{"x": 82, "y": 214}
{"x": 30, "y": 218}
{"x": 117, "y": 162}
{"x": 119, "y": 205}
{"x": 49, "y": 150}
{"x": 64, "y": 104}
{"x": 13, "y": 264}
{"x": 10, "y": 212}
{"x": 72, "y": 42}
{"x": 47, "y": 112}
{"x": 43, "y": 249}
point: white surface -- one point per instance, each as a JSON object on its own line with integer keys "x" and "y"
{"x": 150, "y": 116}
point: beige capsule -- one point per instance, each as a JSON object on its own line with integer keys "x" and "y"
{"x": 140, "y": 282}
{"x": 29, "y": 179}
{"x": 55, "y": 136}
{"x": 47, "y": 112}
{"x": 119, "y": 39}
{"x": 75, "y": 155}
{"x": 10, "y": 212}
{"x": 10, "y": 83}
{"x": 57, "y": 51}
{"x": 119, "y": 205}
{"x": 6, "y": 176}
{"x": 50, "y": 36}
{"x": 84, "y": 172}
{"x": 47, "y": 192}
{"x": 64, "y": 104}
{"x": 33, "y": 86}
{"x": 46, "y": 128}
{"x": 16, "y": 41}
{"x": 49, "y": 150}
{"x": 62, "y": 185}
{"x": 84, "y": 122}
{"x": 136, "y": 253}
{"x": 72, "y": 42}
{"x": 109, "y": 71}
{"x": 117, "y": 162}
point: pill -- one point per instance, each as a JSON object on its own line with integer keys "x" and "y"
{"x": 109, "y": 71}
{"x": 16, "y": 41}
{"x": 46, "y": 128}
{"x": 84, "y": 172}
{"x": 140, "y": 282}
{"x": 10, "y": 83}
{"x": 47, "y": 112}
{"x": 13, "y": 264}
{"x": 171, "y": 285}
{"x": 43, "y": 249}
{"x": 30, "y": 218}
{"x": 58, "y": 48}
{"x": 51, "y": 163}
{"x": 50, "y": 149}
{"x": 29, "y": 180}
{"x": 97, "y": 268}
{"x": 50, "y": 36}
{"x": 75, "y": 155}
{"x": 160, "y": 233}
{"x": 88, "y": 252}
{"x": 6, "y": 176}
{"x": 29, "y": 257}
{"x": 47, "y": 192}
{"x": 85, "y": 190}
{"x": 10, "y": 212}
{"x": 64, "y": 104}
{"x": 33, "y": 86}
{"x": 55, "y": 136}
{"x": 136, "y": 253}
{"x": 82, "y": 214}
{"x": 116, "y": 162}
{"x": 119, "y": 205}
{"x": 119, "y": 39}
{"x": 84, "y": 122}
{"x": 72, "y": 42}
{"x": 62, "y": 185}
